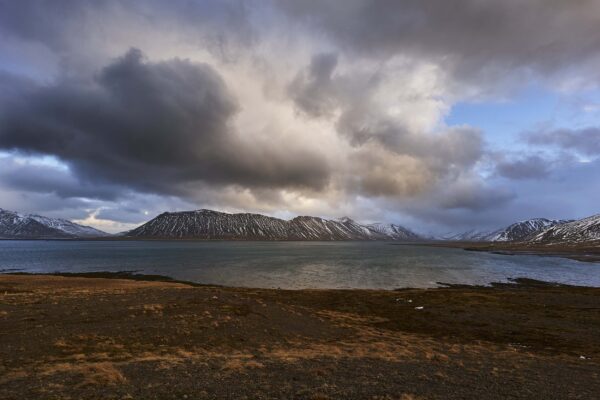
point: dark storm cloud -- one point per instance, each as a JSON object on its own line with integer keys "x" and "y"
{"x": 370, "y": 102}
{"x": 584, "y": 141}
{"x": 469, "y": 36}
{"x": 62, "y": 25}
{"x": 40, "y": 20}
{"x": 46, "y": 179}
{"x": 157, "y": 127}
{"x": 463, "y": 205}
{"x": 474, "y": 196}
{"x": 313, "y": 90}
{"x": 48, "y": 204}
{"x": 528, "y": 167}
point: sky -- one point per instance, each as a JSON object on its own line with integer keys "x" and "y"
{"x": 443, "y": 116}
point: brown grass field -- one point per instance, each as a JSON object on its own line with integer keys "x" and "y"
{"x": 82, "y": 337}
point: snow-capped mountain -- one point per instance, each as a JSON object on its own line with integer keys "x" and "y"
{"x": 468, "y": 236}
{"x": 523, "y": 229}
{"x": 315, "y": 228}
{"x": 27, "y": 226}
{"x": 518, "y": 231}
{"x": 586, "y": 230}
{"x": 208, "y": 224}
{"x": 69, "y": 227}
{"x": 393, "y": 231}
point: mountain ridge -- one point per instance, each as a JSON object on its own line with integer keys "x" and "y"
{"x": 209, "y": 224}
{"x": 518, "y": 231}
{"x": 14, "y": 225}
{"x": 585, "y": 230}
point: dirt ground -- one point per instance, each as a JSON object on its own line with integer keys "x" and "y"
{"x": 97, "y": 338}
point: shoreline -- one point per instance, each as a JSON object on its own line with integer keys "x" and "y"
{"x": 583, "y": 253}
{"x": 101, "y": 336}
{"x": 135, "y": 275}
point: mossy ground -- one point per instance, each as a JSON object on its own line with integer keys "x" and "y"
{"x": 92, "y": 337}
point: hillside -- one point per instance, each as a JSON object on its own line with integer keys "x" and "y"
{"x": 29, "y": 226}
{"x": 208, "y": 224}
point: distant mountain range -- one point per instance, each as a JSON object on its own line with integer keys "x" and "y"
{"x": 208, "y": 224}
{"x": 29, "y": 226}
{"x": 519, "y": 231}
{"x": 586, "y": 230}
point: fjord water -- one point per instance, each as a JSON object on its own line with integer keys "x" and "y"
{"x": 292, "y": 265}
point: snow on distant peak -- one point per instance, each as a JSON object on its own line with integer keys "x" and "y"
{"x": 519, "y": 231}
{"x": 394, "y": 231}
{"x": 523, "y": 229}
{"x": 207, "y": 224}
{"x": 585, "y": 230}
{"x": 15, "y": 225}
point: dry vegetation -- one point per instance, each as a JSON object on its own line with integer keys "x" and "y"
{"x": 78, "y": 337}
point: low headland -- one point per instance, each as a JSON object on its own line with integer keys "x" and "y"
{"x": 587, "y": 252}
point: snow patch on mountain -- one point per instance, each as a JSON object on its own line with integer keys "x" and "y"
{"x": 393, "y": 231}
{"x": 518, "y": 231}
{"x": 208, "y": 224}
{"x": 69, "y": 227}
{"x": 586, "y": 230}
{"x": 28, "y": 226}
{"x": 523, "y": 229}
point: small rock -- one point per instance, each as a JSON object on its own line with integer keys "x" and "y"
{"x": 419, "y": 308}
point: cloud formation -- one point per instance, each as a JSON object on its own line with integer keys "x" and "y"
{"x": 285, "y": 107}
{"x": 527, "y": 167}
{"x": 584, "y": 141}
{"x": 167, "y": 128}
{"x": 313, "y": 89}
{"x": 155, "y": 127}
{"x": 471, "y": 38}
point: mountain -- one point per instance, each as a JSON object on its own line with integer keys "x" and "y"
{"x": 523, "y": 229}
{"x": 518, "y": 231}
{"x": 586, "y": 230}
{"x": 468, "y": 236}
{"x": 28, "y": 226}
{"x": 208, "y": 224}
{"x": 68, "y": 227}
{"x": 393, "y": 231}
{"x": 315, "y": 228}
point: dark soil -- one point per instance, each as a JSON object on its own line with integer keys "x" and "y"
{"x": 80, "y": 337}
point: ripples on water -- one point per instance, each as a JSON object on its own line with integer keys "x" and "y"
{"x": 294, "y": 265}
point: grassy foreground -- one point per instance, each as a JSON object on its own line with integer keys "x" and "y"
{"x": 97, "y": 338}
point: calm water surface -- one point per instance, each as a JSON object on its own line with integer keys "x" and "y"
{"x": 292, "y": 264}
